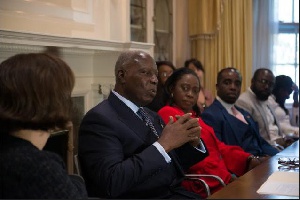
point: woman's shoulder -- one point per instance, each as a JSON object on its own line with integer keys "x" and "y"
{"x": 170, "y": 109}
{"x": 167, "y": 111}
{"x": 22, "y": 152}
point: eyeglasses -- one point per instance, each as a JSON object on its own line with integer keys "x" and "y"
{"x": 165, "y": 74}
{"x": 287, "y": 164}
{"x": 266, "y": 82}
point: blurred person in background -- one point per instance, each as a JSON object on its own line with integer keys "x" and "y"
{"x": 284, "y": 86}
{"x": 165, "y": 69}
{"x": 205, "y": 98}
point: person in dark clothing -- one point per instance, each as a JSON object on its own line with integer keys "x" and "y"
{"x": 232, "y": 124}
{"x": 126, "y": 150}
{"x": 35, "y": 102}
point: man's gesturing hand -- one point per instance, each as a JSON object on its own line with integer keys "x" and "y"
{"x": 178, "y": 132}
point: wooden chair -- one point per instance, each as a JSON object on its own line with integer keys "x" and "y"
{"x": 190, "y": 177}
{"x": 77, "y": 165}
{"x": 61, "y": 142}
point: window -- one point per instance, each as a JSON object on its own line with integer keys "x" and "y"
{"x": 286, "y": 48}
{"x": 138, "y": 20}
{"x": 163, "y": 31}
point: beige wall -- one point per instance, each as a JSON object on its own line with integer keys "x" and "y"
{"x": 91, "y": 19}
{"x": 90, "y": 34}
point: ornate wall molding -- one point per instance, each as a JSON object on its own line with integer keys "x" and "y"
{"x": 11, "y": 40}
{"x": 91, "y": 60}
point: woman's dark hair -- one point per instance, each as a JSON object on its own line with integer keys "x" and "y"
{"x": 285, "y": 83}
{"x": 35, "y": 92}
{"x": 196, "y": 62}
{"x": 171, "y": 82}
{"x": 168, "y": 63}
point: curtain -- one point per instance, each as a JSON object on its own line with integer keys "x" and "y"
{"x": 222, "y": 38}
{"x": 265, "y": 26}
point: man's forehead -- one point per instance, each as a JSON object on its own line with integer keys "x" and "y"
{"x": 266, "y": 73}
{"x": 143, "y": 57}
{"x": 230, "y": 72}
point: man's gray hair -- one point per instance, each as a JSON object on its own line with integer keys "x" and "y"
{"x": 127, "y": 58}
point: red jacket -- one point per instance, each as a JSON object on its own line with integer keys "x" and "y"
{"x": 223, "y": 160}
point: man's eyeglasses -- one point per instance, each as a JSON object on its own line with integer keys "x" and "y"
{"x": 287, "y": 164}
{"x": 266, "y": 82}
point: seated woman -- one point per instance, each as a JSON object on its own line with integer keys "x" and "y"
{"x": 225, "y": 161}
{"x": 35, "y": 102}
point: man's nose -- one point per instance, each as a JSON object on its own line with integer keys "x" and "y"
{"x": 233, "y": 86}
{"x": 154, "y": 79}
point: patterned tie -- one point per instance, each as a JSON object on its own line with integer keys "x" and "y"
{"x": 147, "y": 120}
{"x": 238, "y": 115}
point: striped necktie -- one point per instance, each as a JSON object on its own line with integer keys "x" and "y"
{"x": 141, "y": 112}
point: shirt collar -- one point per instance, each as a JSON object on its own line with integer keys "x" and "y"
{"x": 227, "y": 106}
{"x": 128, "y": 103}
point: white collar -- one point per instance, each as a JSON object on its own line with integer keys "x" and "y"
{"x": 128, "y": 103}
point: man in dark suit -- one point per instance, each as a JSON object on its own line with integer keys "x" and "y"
{"x": 233, "y": 125}
{"x": 121, "y": 156}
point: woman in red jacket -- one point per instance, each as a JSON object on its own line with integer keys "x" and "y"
{"x": 225, "y": 161}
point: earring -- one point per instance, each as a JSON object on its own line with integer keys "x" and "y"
{"x": 172, "y": 95}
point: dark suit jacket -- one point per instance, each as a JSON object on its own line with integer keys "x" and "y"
{"x": 118, "y": 159}
{"x": 232, "y": 131}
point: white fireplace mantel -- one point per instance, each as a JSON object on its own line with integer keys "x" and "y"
{"x": 91, "y": 60}
{"x": 17, "y": 38}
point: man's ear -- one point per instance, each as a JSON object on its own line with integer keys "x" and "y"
{"x": 121, "y": 76}
{"x": 217, "y": 85}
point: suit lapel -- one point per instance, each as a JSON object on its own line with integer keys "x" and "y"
{"x": 262, "y": 112}
{"x": 275, "y": 119}
{"x": 131, "y": 120}
{"x": 237, "y": 127}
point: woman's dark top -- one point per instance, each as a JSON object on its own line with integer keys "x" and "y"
{"x": 27, "y": 172}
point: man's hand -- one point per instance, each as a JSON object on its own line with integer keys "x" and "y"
{"x": 176, "y": 133}
{"x": 254, "y": 161}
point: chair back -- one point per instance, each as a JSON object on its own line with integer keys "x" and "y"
{"x": 77, "y": 165}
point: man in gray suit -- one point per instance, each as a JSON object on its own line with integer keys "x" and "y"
{"x": 255, "y": 101}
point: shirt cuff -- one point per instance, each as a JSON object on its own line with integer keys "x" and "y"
{"x": 201, "y": 147}
{"x": 162, "y": 151}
